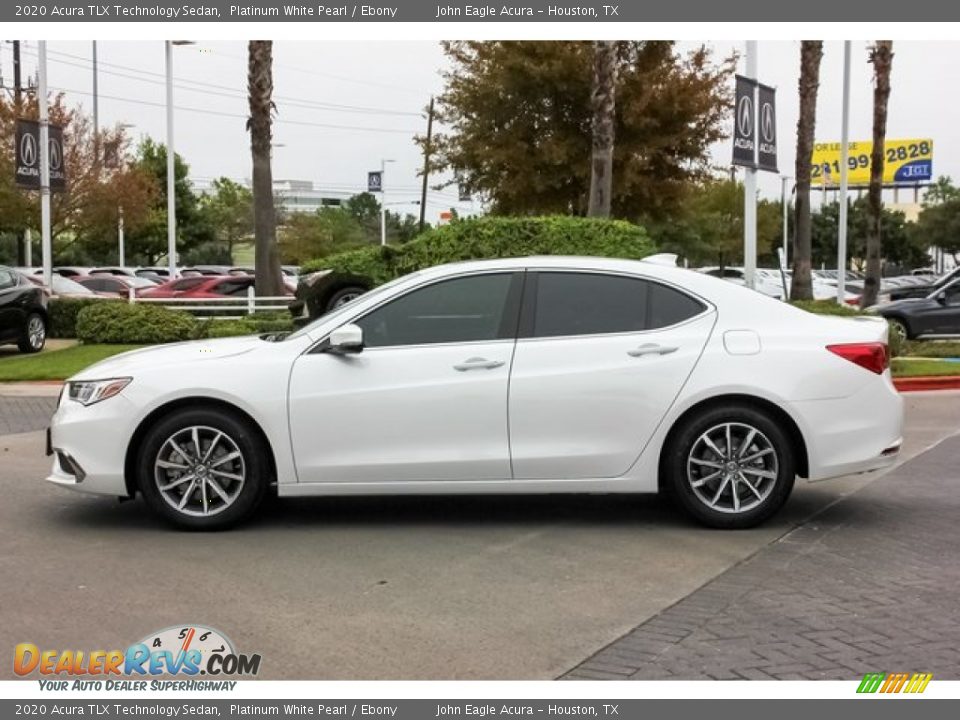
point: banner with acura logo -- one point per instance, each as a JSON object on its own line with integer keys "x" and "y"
{"x": 745, "y": 124}
{"x": 28, "y": 156}
{"x": 767, "y": 122}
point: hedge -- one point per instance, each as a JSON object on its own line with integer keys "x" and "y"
{"x": 124, "y": 323}
{"x": 491, "y": 237}
{"x": 62, "y": 314}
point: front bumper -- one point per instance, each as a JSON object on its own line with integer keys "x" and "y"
{"x": 89, "y": 445}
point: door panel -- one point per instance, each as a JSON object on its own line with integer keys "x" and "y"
{"x": 406, "y": 413}
{"x": 585, "y": 407}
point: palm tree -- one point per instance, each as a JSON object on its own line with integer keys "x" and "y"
{"x": 260, "y": 91}
{"x": 881, "y": 55}
{"x": 603, "y": 103}
{"x": 811, "y": 52}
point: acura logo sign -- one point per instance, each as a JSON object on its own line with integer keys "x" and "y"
{"x": 28, "y": 150}
{"x": 745, "y": 116}
{"x": 766, "y": 122}
{"x": 56, "y": 155}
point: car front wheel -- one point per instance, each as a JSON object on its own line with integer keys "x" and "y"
{"x": 34, "y": 335}
{"x": 731, "y": 467}
{"x": 203, "y": 469}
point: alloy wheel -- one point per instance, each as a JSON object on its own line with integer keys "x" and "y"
{"x": 732, "y": 467}
{"x": 36, "y": 332}
{"x": 199, "y": 471}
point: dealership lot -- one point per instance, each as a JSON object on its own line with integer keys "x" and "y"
{"x": 462, "y": 587}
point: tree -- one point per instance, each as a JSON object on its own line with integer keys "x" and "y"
{"x": 228, "y": 210}
{"x": 811, "y": 52}
{"x": 519, "y": 118}
{"x": 84, "y": 217}
{"x": 260, "y": 91}
{"x": 366, "y": 209}
{"x": 603, "y": 101}
{"x": 709, "y": 230}
{"x": 307, "y": 236}
{"x": 148, "y": 242}
{"x": 881, "y": 55}
{"x": 939, "y": 222}
{"x": 902, "y": 244}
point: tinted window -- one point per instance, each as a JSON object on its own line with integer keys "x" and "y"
{"x": 232, "y": 287}
{"x": 460, "y": 310}
{"x": 7, "y": 279}
{"x": 591, "y": 304}
{"x": 187, "y": 284}
{"x": 667, "y": 306}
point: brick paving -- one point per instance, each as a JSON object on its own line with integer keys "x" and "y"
{"x": 872, "y": 584}
{"x": 25, "y": 414}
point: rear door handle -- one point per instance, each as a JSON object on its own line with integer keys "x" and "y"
{"x": 652, "y": 349}
{"x": 478, "y": 363}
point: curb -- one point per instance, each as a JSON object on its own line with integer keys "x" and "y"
{"x": 932, "y": 382}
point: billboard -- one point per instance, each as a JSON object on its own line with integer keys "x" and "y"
{"x": 905, "y": 161}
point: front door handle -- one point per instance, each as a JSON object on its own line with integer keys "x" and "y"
{"x": 478, "y": 363}
{"x": 652, "y": 349}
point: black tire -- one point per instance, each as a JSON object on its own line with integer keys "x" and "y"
{"x": 688, "y": 460}
{"x": 34, "y": 335}
{"x": 900, "y": 327}
{"x": 343, "y": 296}
{"x": 237, "y": 436}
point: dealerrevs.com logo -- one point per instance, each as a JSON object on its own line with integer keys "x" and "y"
{"x": 182, "y": 650}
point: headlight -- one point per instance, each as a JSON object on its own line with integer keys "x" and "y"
{"x": 88, "y": 392}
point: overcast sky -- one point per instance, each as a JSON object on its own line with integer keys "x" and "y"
{"x": 345, "y": 106}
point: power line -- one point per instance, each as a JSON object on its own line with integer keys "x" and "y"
{"x": 220, "y": 113}
{"x": 217, "y": 89}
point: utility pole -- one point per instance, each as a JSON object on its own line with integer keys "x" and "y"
{"x": 784, "y": 181}
{"x": 121, "y": 255}
{"x": 750, "y": 184}
{"x": 427, "y": 150}
{"x": 844, "y": 154}
{"x": 96, "y": 113}
{"x": 46, "y": 243}
{"x": 23, "y": 247}
{"x": 171, "y": 175}
{"x": 383, "y": 201}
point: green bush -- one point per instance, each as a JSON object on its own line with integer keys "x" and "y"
{"x": 251, "y": 325}
{"x": 491, "y": 237}
{"x": 473, "y": 239}
{"x": 62, "y": 313}
{"x": 123, "y": 323}
{"x": 932, "y": 348}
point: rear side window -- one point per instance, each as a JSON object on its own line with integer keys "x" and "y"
{"x": 7, "y": 279}
{"x": 594, "y": 304}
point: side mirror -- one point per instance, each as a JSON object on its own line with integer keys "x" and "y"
{"x": 346, "y": 339}
{"x": 942, "y": 297}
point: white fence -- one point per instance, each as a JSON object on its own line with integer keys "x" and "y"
{"x": 217, "y": 307}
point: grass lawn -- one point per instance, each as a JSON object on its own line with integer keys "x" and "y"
{"x": 921, "y": 367}
{"x": 56, "y": 364}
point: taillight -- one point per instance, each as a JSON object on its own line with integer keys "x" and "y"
{"x": 872, "y": 356}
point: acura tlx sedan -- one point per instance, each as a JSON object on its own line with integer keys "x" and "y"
{"x": 532, "y": 375}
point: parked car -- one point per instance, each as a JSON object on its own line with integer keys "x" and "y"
{"x": 23, "y": 312}
{"x": 119, "y": 285}
{"x": 936, "y": 314}
{"x": 157, "y": 274}
{"x": 763, "y": 283}
{"x": 64, "y": 287}
{"x": 209, "y": 287}
{"x": 204, "y": 270}
{"x": 123, "y": 271}
{"x": 924, "y": 289}
{"x": 288, "y": 270}
{"x": 521, "y": 375}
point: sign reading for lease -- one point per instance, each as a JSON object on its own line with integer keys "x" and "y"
{"x": 904, "y": 162}
{"x": 28, "y": 156}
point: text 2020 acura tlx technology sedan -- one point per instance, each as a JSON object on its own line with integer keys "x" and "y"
{"x": 533, "y": 375}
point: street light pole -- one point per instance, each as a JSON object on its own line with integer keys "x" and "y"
{"x": 383, "y": 201}
{"x": 784, "y": 181}
{"x": 96, "y": 112}
{"x": 844, "y": 155}
{"x": 750, "y": 185}
{"x": 171, "y": 176}
{"x": 46, "y": 241}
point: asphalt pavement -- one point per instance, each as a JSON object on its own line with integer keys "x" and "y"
{"x": 400, "y": 588}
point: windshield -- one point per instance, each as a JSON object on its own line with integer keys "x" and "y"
{"x": 66, "y": 286}
{"x": 346, "y": 307}
{"x": 140, "y": 282}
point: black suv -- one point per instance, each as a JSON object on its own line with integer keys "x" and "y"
{"x": 23, "y": 312}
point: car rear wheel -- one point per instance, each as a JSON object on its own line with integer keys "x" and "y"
{"x": 731, "y": 467}
{"x": 203, "y": 469}
{"x": 899, "y": 328}
{"x": 34, "y": 334}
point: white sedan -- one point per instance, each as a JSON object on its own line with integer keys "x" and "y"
{"x": 532, "y": 375}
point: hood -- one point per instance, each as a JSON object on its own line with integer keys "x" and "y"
{"x": 904, "y": 304}
{"x": 181, "y": 353}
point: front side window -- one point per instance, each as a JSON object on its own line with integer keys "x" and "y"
{"x": 7, "y": 280}
{"x": 594, "y": 304}
{"x": 465, "y": 309}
